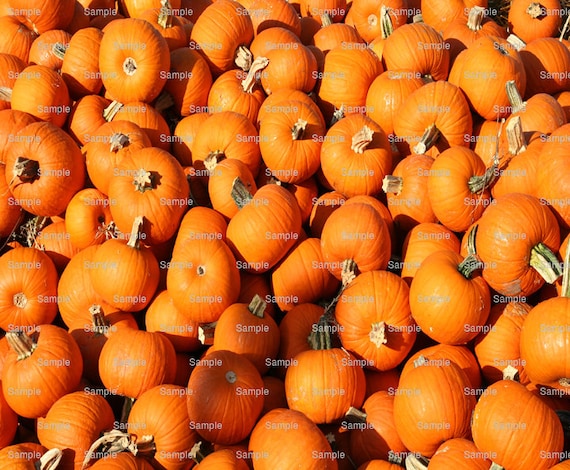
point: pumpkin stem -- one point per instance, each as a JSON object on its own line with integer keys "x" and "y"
{"x": 253, "y": 74}
{"x": 421, "y": 361}
{"x": 362, "y": 139}
{"x": 416, "y": 463}
{"x": 298, "y": 130}
{"x": 338, "y": 114}
{"x": 59, "y": 49}
{"x": 511, "y": 373}
{"x": 326, "y": 20}
{"x": 478, "y": 183}
{"x": 377, "y": 334}
{"x": 320, "y": 337}
{"x": 206, "y": 333}
{"x": 495, "y": 466}
{"x": 515, "y": 98}
{"x": 564, "y": 28}
{"x": 565, "y": 288}
{"x": 165, "y": 14}
{"x": 130, "y": 66}
{"x": 516, "y": 42}
{"x": 100, "y": 325}
{"x": 352, "y": 416}
{"x": 257, "y": 306}
{"x": 348, "y": 273}
{"x": 393, "y": 457}
{"x": 111, "y": 111}
{"x": 431, "y": 134}
{"x": 20, "y": 300}
{"x": 240, "y": 193}
{"x": 22, "y": 344}
{"x": 231, "y": 377}
{"x": 418, "y": 18}
{"x": 392, "y": 184}
{"x": 564, "y": 382}
{"x": 244, "y": 58}
{"x": 386, "y": 25}
{"x": 475, "y": 18}
{"x": 136, "y": 231}
{"x": 110, "y": 443}
{"x": 25, "y": 170}
{"x": 6, "y": 94}
{"x": 163, "y": 102}
{"x": 196, "y": 453}
{"x": 212, "y": 160}
{"x": 50, "y": 460}
{"x": 143, "y": 180}
{"x": 536, "y": 10}
{"x": 118, "y": 142}
{"x": 545, "y": 262}
{"x": 471, "y": 262}
{"x": 515, "y": 136}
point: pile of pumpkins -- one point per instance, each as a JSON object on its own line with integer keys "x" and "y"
{"x": 271, "y": 234}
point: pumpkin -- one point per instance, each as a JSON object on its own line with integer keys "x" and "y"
{"x": 283, "y": 429}
{"x": 44, "y": 169}
{"x": 516, "y": 239}
{"x": 44, "y": 364}
{"x": 220, "y": 34}
{"x": 10, "y": 68}
{"x": 160, "y": 196}
{"x": 367, "y": 17}
{"x": 188, "y": 81}
{"x": 426, "y": 416}
{"x": 323, "y": 207}
{"x": 373, "y": 432}
{"x": 202, "y": 223}
{"x": 124, "y": 272}
{"x": 248, "y": 331}
{"x": 184, "y": 136}
{"x": 278, "y": 102}
{"x": 162, "y": 315}
{"x": 28, "y": 283}
{"x": 326, "y": 396}
{"x": 335, "y": 9}
{"x": 221, "y": 459}
{"x": 132, "y": 59}
{"x": 494, "y": 61}
{"x": 135, "y": 8}
{"x": 42, "y": 92}
{"x": 440, "y": 14}
{"x": 80, "y": 66}
{"x": 532, "y": 20}
{"x": 55, "y": 242}
{"x": 290, "y": 144}
{"x": 266, "y": 227}
{"x": 17, "y": 38}
{"x": 499, "y": 345}
{"x": 202, "y": 278}
{"x": 302, "y": 276}
{"x": 461, "y": 454}
{"x": 168, "y": 25}
{"x": 271, "y": 39}
{"x": 121, "y": 461}
{"x": 417, "y": 47}
{"x": 387, "y": 93}
{"x": 43, "y": 15}
{"x": 221, "y": 378}
{"x": 374, "y": 319}
{"x": 49, "y": 49}
{"x": 86, "y": 117}
{"x": 133, "y": 361}
{"x": 12, "y": 122}
{"x": 503, "y": 419}
{"x": 343, "y": 83}
{"x": 73, "y": 423}
{"x": 252, "y": 284}
{"x": 432, "y": 119}
{"x": 270, "y": 13}
{"x": 161, "y": 414}
{"x": 355, "y": 156}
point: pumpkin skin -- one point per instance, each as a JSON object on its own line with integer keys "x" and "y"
{"x": 73, "y": 423}
{"x": 508, "y": 231}
{"x": 219, "y": 31}
{"x": 8, "y": 423}
{"x": 52, "y": 370}
{"x": 220, "y": 378}
{"x": 43, "y": 15}
{"x": 80, "y": 67}
{"x": 223, "y": 459}
{"x": 499, "y": 346}
{"x": 440, "y": 104}
{"x": 264, "y": 230}
{"x": 122, "y": 461}
{"x": 86, "y": 117}
{"x": 184, "y": 136}
{"x": 42, "y": 92}
{"x": 316, "y": 8}
{"x": 441, "y": 14}
{"x": 133, "y": 361}
{"x": 202, "y": 223}
{"x": 161, "y": 194}
{"x": 495, "y": 61}
{"x": 426, "y": 416}
{"x": 132, "y": 59}
{"x": 531, "y": 23}
{"x": 28, "y": 283}
{"x": 461, "y": 454}
{"x": 346, "y": 76}
{"x": 267, "y": 14}
{"x": 503, "y": 419}
{"x": 544, "y": 332}
{"x": 161, "y": 412}
{"x": 355, "y": 156}
{"x": 366, "y": 16}
{"x": 17, "y": 38}
{"x": 282, "y": 429}
{"x": 203, "y": 278}
{"x": 10, "y": 68}
{"x": 376, "y": 437}
{"x": 374, "y": 319}
{"x": 248, "y": 331}
{"x": 55, "y": 242}
{"x": 48, "y": 49}
{"x": 55, "y": 169}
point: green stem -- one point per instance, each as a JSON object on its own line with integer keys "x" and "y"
{"x": 431, "y": 134}
{"x": 543, "y": 260}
